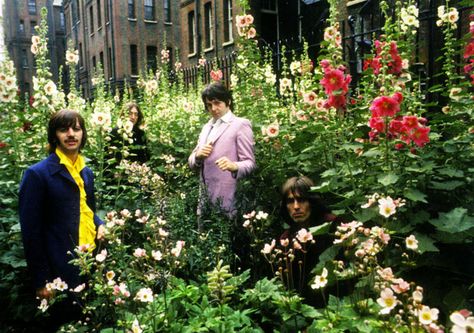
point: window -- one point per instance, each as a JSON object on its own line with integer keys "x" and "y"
{"x": 131, "y": 9}
{"x": 191, "y": 33}
{"x": 32, "y": 27}
{"x": 228, "y": 22}
{"x": 24, "y": 58}
{"x": 62, "y": 20}
{"x": 269, "y": 6}
{"x": 80, "y": 55}
{"x": 91, "y": 19}
{"x": 74, "y": 14}
{"x": 109, "y": 63}
{"x": 32, "y": 7}
{"x": 208, "y": 27}
{"x": 94, "y": 63}
{"x": 106, "y": 12}
{"x": 151, "y": 53}
{"x": 166, "y": 11}
{"x": 21, "y": 27}
{"x": 101, "y": 60}
{"x": 133, "y": 60}
{"x": 149, "y": 8}
{"x": 99, "y": 14}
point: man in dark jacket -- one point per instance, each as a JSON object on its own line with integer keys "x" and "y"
{"x": 57, "y": 205}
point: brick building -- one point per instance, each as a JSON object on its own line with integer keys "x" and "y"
{"x": 207, "y": 29}
{"x": 126, "y": 37}
{"x": 20, "y": 18}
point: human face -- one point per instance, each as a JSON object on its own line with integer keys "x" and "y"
{"x": 298, "y": 207}
{"x": 133, "y": 115}
{"x": 69, "y": 139}
{"x": 216, "y": 108}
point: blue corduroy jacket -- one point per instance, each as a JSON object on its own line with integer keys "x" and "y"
{"x": 49, "y": 202}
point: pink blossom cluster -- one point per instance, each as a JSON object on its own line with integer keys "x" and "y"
{"x": 384, "y": 119}
{"x": 403, "y": 300}
{"x": 336, "y": 85}
{"x": 469, "y": 52}
{"x": 393, "y": 59}
{"x": 216, "y": 74}
{"x": 244, "y": 26}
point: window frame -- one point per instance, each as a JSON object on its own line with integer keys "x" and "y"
{"x": 147, "y": 4}
{"x": 132, "y": 14}
{"x": 208, "y": 27}
{"x": 192, "y": 42}
{"x": 32, "y": 8}
{"x": 228, "y": 22}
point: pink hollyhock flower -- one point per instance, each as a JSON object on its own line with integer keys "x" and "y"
{"x": 420, "y": 136}
{"x": 325, "y": 63}
{"x": 251, "y": 33}
{"x": 248, "y": 19}
{"x": 273, "y": 130}
{"x": 216, "y": 75}
{"x": 310, "y": 98}
{"x": 469, "y": 51}
{"x": 395, "y": 127}
{"x": 333, "y": 80}
{"x": 410, "y": 122}
{"x": 384, "y": 106}
{"x": 335, "y": 101}
{"x": 377, "y": 124}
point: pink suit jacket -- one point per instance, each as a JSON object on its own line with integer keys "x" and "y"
{"x": 234, "y": 140}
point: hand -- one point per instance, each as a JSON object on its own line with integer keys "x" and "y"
{"x": 43, "y": 293}
{"x": 225, "y": 164}
{"x": 101, "y": 232}
{"x": 204, "y": 152}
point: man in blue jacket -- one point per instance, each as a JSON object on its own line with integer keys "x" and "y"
{"x": 57, "y": 206}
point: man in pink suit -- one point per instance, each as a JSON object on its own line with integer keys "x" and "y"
{"x": 224, "y": 152}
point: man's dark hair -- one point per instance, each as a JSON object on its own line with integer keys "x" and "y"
{"x": 64, "y": 119}
{"x": 217, "y": 91}
{"x": 128, "y": 107}
{"x": 301, "y": 186}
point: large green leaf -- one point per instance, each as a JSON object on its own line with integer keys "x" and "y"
{"x": 425, "y": 243}
{"x": 448, "y": 186}
{"x": 320, "y": 229}
{"x": 454, "y": 221}
{"x": 388, "y": 179}
{"x": 414, "y": 195}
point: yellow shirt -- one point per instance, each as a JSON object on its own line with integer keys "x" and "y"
{"x": 87, "y": 229}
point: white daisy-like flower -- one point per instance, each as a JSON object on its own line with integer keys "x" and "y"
{"x": 320, "y": 281}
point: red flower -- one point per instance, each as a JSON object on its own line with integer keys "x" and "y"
{"x": 216, "y": 75}
{"x": 420, "y": 136}
{"x": 333, "y": 80}
{"x": 469, "y": 51}
{"x": 335, "y": 101}
{"x": 399, "y": 146}
{"x": 377, "y": 124}
{"x": 384, "y": 106}
{"x": 410, "y": 122}
{"x": 396, "y": 127}
{"x": 2, "y": 144}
